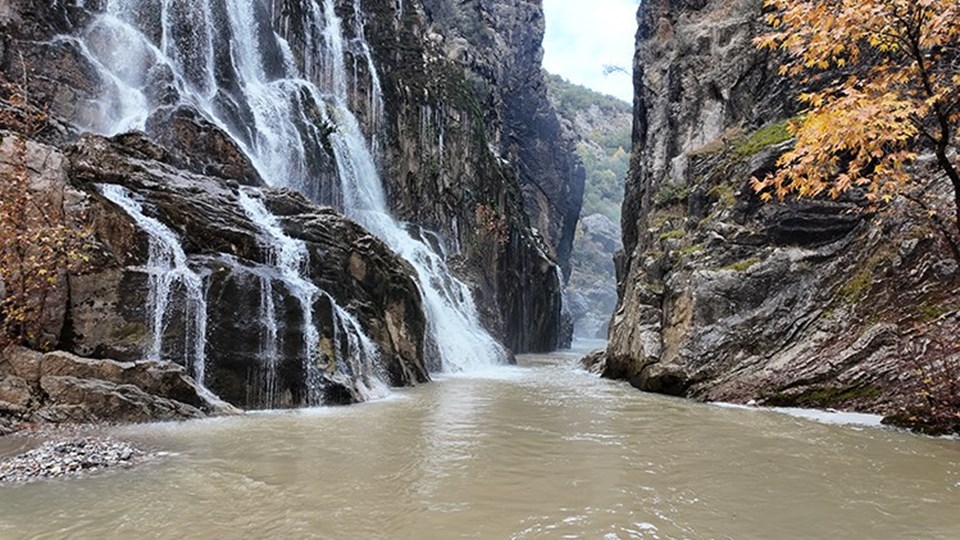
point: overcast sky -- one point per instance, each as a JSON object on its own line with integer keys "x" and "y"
{"x": 583, "y": 36}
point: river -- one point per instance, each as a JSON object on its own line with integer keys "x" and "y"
{"x": 543, "y": 450}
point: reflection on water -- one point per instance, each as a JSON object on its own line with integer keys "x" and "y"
{"x": 541, "y": 451}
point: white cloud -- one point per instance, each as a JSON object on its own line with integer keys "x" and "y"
{"x": 582, "y": 37}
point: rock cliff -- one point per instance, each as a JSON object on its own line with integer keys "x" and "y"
{"x": 820, "y": 303}
{"x": 474, "y": 150}
{"x": 601, "y": 125}
{"x": 251, "y": 358}
{"x": 266, "y": 297}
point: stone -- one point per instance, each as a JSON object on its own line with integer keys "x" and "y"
{"x": 71, "y": 457}
{"x": 62, "y": 387}
{"x": 108, "y": 300}
{"x": 724, "y": 298}
{"x": 90, "y": 400}
{"x": 480, "y": 156}
{"x": 196, "y": 145}
{"x": 16, "y": 396}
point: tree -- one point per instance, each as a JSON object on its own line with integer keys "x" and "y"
{"x": 37, "y": 245}
{"x": 887, "y": 74}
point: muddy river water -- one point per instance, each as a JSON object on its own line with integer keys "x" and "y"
{"x": 543, "y": 450}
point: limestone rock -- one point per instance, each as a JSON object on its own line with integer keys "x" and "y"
{"x": 475, "y": 152}
{"x": 62, "y": 387}
{"x": 198, "y": 146}
{"x": 723, "y": 298}
{"x": 223, "y": 242}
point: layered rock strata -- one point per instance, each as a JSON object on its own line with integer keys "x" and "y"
{"x": 819, "y": 303}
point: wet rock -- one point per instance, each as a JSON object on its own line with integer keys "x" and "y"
{"x": 595, "y": 362}
{"x": 102, "y": 310}
{"x": 108, "y": 301}
{"x": 474, "y": 151}
{"x": 196, "y": 145}
{"x": 721, "y": 297}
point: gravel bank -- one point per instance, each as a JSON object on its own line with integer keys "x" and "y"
{"x": 74, "y": 457}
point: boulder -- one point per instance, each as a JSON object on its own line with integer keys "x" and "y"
{"x": 62, "y": 387}
{"x": 197, "y": 145}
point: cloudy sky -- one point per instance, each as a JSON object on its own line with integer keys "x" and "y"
{"x": 583, "y": 36}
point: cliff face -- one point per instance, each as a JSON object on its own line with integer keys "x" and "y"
{"x": 268, "y": 298}
{"x": 248, "y": 323}
{"x": 601, "y": 125}
{"x": 819, "y": 303}
{"x": 474, "y": 151}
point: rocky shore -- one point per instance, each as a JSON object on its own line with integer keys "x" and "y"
{"x": 69, "y": 457}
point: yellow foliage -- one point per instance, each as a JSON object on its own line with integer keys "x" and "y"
{"x": 896, "y": 89}
{"x": 37, "y": 246}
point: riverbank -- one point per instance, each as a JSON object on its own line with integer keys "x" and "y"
{"x": 933, "y": 410}
{"x": 71, "y": 458}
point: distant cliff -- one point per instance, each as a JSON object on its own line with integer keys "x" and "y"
{"x": 601, "y": 125}
{"x": 475, "y": 151}
{"x": 817, "y": 304}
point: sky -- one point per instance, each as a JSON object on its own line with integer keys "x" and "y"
{"x": 584, "y": 36}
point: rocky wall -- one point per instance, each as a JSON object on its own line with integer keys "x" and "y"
{"x": 721, "y": 297}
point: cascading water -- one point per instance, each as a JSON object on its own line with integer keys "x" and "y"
{"x": 269, "y": 350}
{"x": 227, "y": 62}
{"x": 462, "y": 342}
{"x": 167, "y": 270}
{"x": 290, "y": 257}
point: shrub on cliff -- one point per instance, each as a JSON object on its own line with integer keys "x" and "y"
{"x": 37, "y": 246}
{"x": 894, "y": 92}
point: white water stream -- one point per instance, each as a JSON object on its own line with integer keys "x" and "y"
{"x": 291, "y": 258}
{"x": 285, "y": 106}
{"x": 168, "y": 270}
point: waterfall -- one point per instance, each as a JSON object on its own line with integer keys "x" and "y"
{"x": 167, "y": 269}
{"x": 291, "y": 259}
{"x": 225, "y": 60}
{"x": 269, "y": 349}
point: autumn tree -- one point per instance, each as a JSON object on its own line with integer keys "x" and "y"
{"x": 886, "y": 75}
{"x": 37, "y": 245}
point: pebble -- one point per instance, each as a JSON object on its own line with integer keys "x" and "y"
{"x": 59, "y": 459}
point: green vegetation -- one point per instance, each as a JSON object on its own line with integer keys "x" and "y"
{"x": 672, "y": 235}
{"x": 690, "y": 250}
{"x": 931, "y": 312}
{"x": 821, "y": 398}
{"x": 860, "y": 283}
{"x": 745, "y": 145}
{"x": 603, "y": 189}
{"x": 744, "y": 265}
{"x": 573, "y": 98}
{"x": 857, "y": 286}
{"x": 604, "y": 123}
{"x": 672, "y": 194}
{"x": 724, "y": 194}
{"x": 769, "y": 135}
